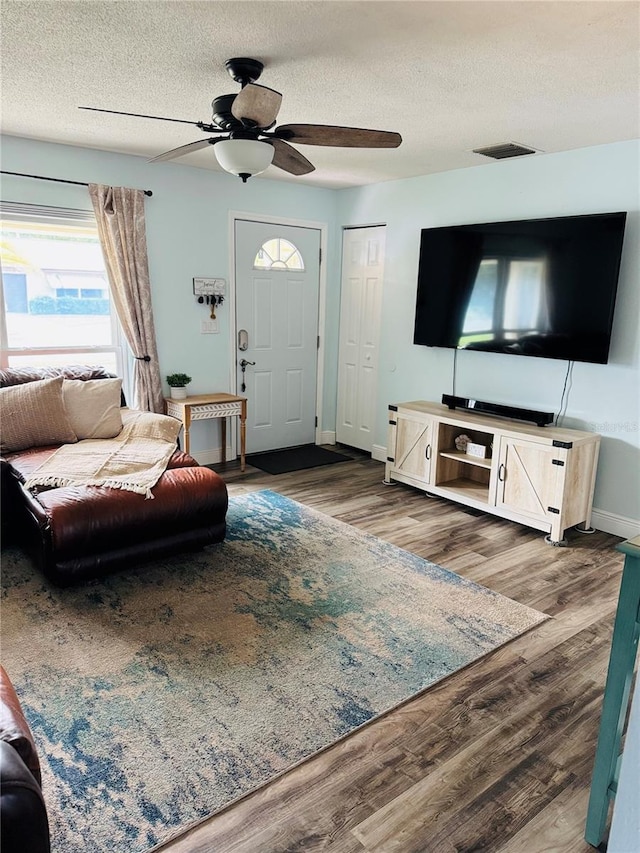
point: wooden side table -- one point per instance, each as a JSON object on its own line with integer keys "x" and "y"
{"x": 624, "y": 647}
{"x": 205, "y": 406}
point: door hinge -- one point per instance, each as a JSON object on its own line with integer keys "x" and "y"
{"x": 393, "y": 423}
{"x": 393, "y": 408}
{"x": 318, "y": 342}
{"x": 316, "y": 420}
{"x": 390, "y": 459}
{"x": 320, "y": 255}
{"x": 553, "y": 510}
{"x": 557, "y": 462}
{"x": 567, "y": 445}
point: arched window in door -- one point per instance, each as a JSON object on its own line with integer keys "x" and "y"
{"x": 278, "y": 254}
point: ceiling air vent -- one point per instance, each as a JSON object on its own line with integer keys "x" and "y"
{"x": 504, "y": 151}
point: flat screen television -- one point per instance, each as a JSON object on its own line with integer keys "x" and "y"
{"x": 536, "y": 287}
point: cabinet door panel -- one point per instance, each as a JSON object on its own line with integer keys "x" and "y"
{"x": 413, "y": 447}
{"x": 529, "y": 481}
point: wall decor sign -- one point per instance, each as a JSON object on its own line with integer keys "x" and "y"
{"x": 209, "y": 286}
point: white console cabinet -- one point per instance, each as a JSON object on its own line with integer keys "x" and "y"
{"x": 539, "y": 476}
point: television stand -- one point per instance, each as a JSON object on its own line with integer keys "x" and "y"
{"x": 542, "y": 477}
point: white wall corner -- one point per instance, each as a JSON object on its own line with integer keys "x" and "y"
{"x": 326, "y": 436}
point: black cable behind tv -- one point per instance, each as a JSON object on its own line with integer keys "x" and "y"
{"x": 482, "y": 407}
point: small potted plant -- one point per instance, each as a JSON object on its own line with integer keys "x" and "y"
{"x": 178, "y": 383}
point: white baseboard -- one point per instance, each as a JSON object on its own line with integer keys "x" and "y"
{"x": 379, "y": 453}
{"x": 327, "y": 437}
{"x": 212, "y": 456}
{"x": 618, "y": 525}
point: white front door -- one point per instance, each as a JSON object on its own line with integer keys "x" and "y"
{"x": 360, "y": 313}
{"x": 277, "y": 289}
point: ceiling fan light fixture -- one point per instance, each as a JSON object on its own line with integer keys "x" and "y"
{"x": 244, "y": 157}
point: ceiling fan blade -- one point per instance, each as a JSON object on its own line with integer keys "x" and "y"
{"x": 183, "y": 149}
{"x": 290, "y": 160}
{"x": 257, "y": 104}
{"x": 342, "y": 137}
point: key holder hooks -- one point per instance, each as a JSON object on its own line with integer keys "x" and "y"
{"x": 209, "y": 291}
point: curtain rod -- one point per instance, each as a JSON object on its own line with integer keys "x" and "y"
{"x": 57, "y": 180}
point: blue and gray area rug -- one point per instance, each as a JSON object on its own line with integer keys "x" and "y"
{"x": 157, "y": 697}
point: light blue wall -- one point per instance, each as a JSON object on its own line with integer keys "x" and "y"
{"x": 603, "y": 398}
{"x": 187, "y": 235}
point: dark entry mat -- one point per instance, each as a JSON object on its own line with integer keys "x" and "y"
{"x": 295, "y": 459}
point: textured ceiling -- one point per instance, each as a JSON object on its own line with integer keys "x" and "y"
{"x": 449, "y": 76}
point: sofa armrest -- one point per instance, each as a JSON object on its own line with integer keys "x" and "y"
{"x": 180, "y": 459}
{"x": 23, "y": 814}
{"x": 14, "y": 728}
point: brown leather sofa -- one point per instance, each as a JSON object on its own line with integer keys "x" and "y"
{"x": 78, "y": 532}
{"x": 23, "y": 814}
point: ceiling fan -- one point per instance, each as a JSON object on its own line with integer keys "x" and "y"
{"x": 247, "y": 144}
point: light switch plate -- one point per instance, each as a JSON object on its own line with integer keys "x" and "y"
{"x": 209, "y": 327}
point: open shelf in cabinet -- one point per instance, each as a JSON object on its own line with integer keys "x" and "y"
{"x": 464, "y": 457}
{"x": 464, "y": 475}
{"x": 455, "y": 475}
{"x": 465, "y": 488}
{"x": 448, "y": 433}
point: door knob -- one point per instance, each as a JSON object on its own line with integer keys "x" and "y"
{"x": 243, "y": 367}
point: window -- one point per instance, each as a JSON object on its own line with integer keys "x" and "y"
{"x": 55, "y": 294}
{"x": 278, "y": 254}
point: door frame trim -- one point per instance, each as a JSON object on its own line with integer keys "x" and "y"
{"x": 323, "y": 228}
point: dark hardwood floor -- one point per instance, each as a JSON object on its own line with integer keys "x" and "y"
{"x": 497, "y": 757}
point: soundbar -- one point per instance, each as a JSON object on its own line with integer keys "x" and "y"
{"x": 539, "y": 418}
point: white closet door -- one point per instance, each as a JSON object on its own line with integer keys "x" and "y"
{"x": 360, "y": 316}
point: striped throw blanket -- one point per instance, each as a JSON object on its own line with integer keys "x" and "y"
{"x": 134, "y": 460}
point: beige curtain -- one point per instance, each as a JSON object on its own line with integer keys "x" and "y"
{"x": 121, "y": 226}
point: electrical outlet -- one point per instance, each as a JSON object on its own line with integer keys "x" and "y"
{"x": 209, "y": 327}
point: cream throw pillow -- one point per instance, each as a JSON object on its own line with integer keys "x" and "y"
{"x": 93, "y": 406}
{"x": 34, "y": 415}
